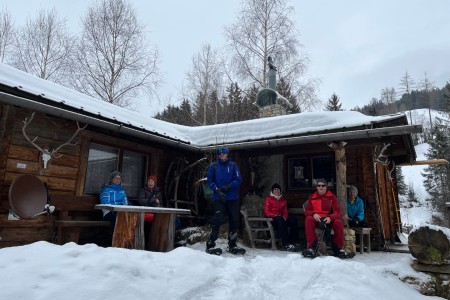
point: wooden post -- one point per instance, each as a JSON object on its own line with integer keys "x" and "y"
{"x": 341, "y": 176}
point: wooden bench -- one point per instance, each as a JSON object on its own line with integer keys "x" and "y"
{"x": 74, "y": 213}
{"x": 363, "y": 231}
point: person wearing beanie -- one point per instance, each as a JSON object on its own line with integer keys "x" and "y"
{"x": 224, "y": 179}
{"x": 275, "y": 207}
{"x": 355, "y": 208}
{"x": 113, "y": 194}
{"x": 150, "y": 195}
{"x": 322, "y": 210}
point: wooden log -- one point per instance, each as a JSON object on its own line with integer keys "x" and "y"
{"x": 429, "y": 246}
{"x": 162, "y": 235}
{"x": 123, "y": 237}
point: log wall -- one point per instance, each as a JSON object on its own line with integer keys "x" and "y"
{"x": 65, "y": 174}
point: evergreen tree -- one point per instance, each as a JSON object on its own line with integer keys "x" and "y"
{"x": 412, "y": 197}
{"x": 284, "y": 89}
{"x": 334, "y": 103}
{"x": 178, "y": 114}
{"x": 401, "y": 186}
{"x": 446, "y": 98}
{"x": 437, "y": 177}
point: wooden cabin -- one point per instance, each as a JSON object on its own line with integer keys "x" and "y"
{"x": 85, "y": 139}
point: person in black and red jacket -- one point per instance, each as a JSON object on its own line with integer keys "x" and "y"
{"x": 275, "y": 207}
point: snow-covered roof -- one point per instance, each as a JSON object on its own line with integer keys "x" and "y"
{"x": 287, "y": 126}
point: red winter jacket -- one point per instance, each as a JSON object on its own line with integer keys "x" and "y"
{"x": 324, "y": 205}
{"x": 274, "y": 207}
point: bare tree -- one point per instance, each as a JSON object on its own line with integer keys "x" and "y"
{"x": 263, "y": 28}
{"x": 204, "y": 78}
{"x": 388, "y": 97}
{"x": 114, "y": 62}
{"x": 6, "y": 33}
{"x": 427, "y": 86}
{"x": 44, "y": 47}
{"x": 406, "y": 86}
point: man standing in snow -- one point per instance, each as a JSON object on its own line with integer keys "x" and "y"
{"x": 224, "y": 179}
{"x": 322, "y": 210}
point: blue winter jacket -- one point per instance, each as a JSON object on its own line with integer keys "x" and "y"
{"x": 113, "y": 194}
{"x": 223, "y": 173}
{"x": 355, "y": 211}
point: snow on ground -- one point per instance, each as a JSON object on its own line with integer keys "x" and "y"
{"x": 47, "y": 271}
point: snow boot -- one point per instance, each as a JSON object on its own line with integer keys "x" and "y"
{"x": 210, "y": 248}
{"x": 234, "y": 249}
{"x": 310, "y": 253}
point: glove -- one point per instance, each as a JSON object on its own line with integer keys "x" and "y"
{"x": 222, "y": 195}
{"x": 322, "y": 224}
{"x": 226, "y": 188}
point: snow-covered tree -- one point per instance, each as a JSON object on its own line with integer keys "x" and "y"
{"x": 437, "y": 177}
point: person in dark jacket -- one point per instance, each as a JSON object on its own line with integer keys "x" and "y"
{"x": 355, "y": 208}
{"x": 323, "y": 210}
{"x": 114, "y": 194}
{"x": 224, "y": 179}
{"x": 150, "y": 195}
{"x": 275, "y": 207}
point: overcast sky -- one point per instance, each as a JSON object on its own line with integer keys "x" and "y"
{"x": 356, "y": 47}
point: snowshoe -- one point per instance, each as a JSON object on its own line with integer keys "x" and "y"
{"x": 211, "y": 248}
{"x": 236, "y": 250}
{"x": 310, "y": 253}
{"x": 290, "y": 248}
{"x": 343, "y": 254}
{"x": 214, "y": 251}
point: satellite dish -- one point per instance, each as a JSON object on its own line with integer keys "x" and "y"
{"x": 27, "y": 196}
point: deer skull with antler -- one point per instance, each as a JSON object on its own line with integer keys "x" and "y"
{"x": 46, "y": 154}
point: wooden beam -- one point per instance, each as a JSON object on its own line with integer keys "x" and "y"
{"x": 425, "y": 162}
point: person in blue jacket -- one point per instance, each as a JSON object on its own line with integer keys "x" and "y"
{"x": 224, "y": 179}
{"x": 114, "y": 194}
{"x": 355, "y": 208}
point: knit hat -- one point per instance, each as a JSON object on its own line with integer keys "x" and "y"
{"x": 353, "y": 188}
{"x": 321, "y": 180}
{"x": 276, "y": 186}
{"x": 114, "y": 174}
{"x": 153, "y": 177}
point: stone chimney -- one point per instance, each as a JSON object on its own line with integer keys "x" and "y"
{"x": 268, "y": 100}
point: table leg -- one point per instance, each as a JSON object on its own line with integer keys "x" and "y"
{"x": 124, "y": 231}
{"x": 139, "y": 236}
{"x": 162, "y": 235}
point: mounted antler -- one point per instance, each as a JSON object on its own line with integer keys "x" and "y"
{"x": 380, "y": 156}
{"x": 47, "y": 155}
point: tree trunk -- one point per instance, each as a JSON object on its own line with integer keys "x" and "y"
{"x": 429, "y": 246}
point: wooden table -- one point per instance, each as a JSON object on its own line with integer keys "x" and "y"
{"x": 129, "y": 228}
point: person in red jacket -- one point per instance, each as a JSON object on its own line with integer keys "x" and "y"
{"x": 275, "y": 207}
{"x": 322, "y": 210}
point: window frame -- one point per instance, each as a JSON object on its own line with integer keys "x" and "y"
{"x": 121, "y": 151}
{"x": 302, "y": 171}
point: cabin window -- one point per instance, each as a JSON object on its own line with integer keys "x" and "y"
{"x": 303, "y": 172}
{"x": 103, "y": 160}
